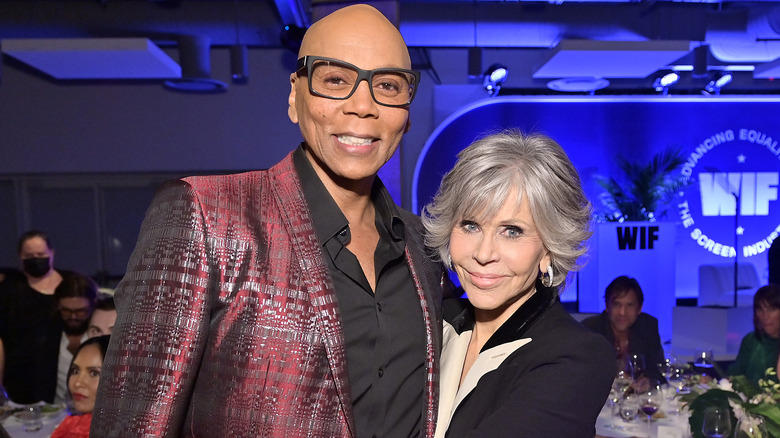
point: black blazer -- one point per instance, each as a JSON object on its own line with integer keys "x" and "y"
{"x": 553, "y": 382}
{"x": 643, "y": 339}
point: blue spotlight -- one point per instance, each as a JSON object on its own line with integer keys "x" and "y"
{"x": 495, "y": 76}
{"x": 663, "y": 83}
{"x": 719, "y": 82}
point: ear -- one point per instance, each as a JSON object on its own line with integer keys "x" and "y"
{"x": 292, "y": 113}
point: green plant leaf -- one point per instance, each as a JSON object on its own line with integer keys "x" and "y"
{"x": 644, "y": 190}
{"x": 713, "y": 397}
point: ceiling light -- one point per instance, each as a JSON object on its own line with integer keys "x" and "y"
{"x": 578, "y": 85}
{"x": 715, "y": 85}
{"x": 495, "y": 76}
{"x": 663, "y": 83}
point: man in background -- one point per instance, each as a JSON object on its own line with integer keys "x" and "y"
{"x": 76, "y": 296}
{"x": 629, "y": 330}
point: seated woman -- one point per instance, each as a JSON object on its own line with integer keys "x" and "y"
{"x": 83, "y": 379}
{"x": 759, "y": 348}
{"x": 511, "y": 219}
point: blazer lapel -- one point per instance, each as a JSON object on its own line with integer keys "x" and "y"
{"x": 452, "y": 357}
{"x": 295, "y": 213}
{"x": 487, "y": 361}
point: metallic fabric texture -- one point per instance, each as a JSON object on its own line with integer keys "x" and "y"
{"x": 228, "y": 322}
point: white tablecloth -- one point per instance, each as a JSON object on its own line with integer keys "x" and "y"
{"x": 671, "y": 426}
{"x": 50, "y": 422}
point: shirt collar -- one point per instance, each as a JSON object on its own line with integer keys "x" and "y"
{"x": 330, "y": 220}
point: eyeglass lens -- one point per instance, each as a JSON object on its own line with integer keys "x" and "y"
{"x": 334, "y": 80}
{"x": 74, "y": 312}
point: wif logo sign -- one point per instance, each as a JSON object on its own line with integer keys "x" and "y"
{"x": 736, "y": 207}
{"x": 628, "y": 237}
{"x": 755, "y": 190}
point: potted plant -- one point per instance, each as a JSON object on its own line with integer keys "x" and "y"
{"x": 644, "y": 190}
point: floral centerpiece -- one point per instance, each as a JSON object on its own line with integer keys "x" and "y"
{"x": 746, "y": 401}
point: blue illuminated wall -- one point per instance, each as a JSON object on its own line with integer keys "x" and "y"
{"x": 731, "y": 145}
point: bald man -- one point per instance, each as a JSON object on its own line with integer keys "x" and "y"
{"x": 292, "y": 302}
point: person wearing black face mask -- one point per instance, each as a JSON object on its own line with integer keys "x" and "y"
{"x": 30, "y": 325}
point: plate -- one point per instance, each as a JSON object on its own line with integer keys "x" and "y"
{"x": 51, "y": 410}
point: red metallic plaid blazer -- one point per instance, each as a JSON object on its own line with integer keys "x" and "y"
{"x": 228, "y": 322}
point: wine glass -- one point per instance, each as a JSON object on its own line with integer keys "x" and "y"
{"x": 637, "y": 365}
{"x": 667, "y": 362}
{"x": 613, "y": 398}
{"x": 623, "y": 377}
{"x": 650, "y": 399}
{"x": 670, "y": 394}
{"x": 628, "y": 407}
{"x": 717, "y": 422}
{"x": 704, "y": 362}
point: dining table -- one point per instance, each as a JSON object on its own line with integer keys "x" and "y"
{"x": 671, "y": 422}
{"x": 15, "y": 428}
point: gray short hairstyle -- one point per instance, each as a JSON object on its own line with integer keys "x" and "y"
{"x": 532, "y": 165}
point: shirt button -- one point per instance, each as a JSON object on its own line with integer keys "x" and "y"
{"x": 343, "y": 232}
{"x": 381, "y": 372}
{"x": 379, "y": 306}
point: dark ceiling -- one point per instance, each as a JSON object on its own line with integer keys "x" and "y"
{"x": 546, "y": 41}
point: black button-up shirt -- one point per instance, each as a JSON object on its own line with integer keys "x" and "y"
{"x": 384, "y": 329}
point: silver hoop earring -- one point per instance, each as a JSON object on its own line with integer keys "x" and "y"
{"x": 449, "y": 261}
{"x": 550, "y": 276}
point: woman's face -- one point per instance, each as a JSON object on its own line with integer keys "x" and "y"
{"x": 84, "y": 377}
{"x": 498, "y": 260}
{"x": 769, "y": 319}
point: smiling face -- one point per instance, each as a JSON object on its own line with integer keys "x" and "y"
{"x": 498, "y": 260}
{"x": 84, "y": 377}
{"x": 349, "y": 140}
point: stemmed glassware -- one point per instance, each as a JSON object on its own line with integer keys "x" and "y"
{"x": 717, "y": 422}
{"x": 650, "y": 399}
{"x": 628, "y": 407}
{"x": 624, "y": 376}
{"x": 621, "y": 383}
{"x": 637, "y": 365}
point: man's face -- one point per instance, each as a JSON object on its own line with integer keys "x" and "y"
{"x": 101, "y": 323}
{"x": 75, "y": 313}
{"x": 349, "y": 140}
{"x": 623, "y": 310}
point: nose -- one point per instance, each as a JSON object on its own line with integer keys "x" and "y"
{"x": 486, "y": 250}
{"x": 77, "y": 380}
{"x": 362, "y": 102}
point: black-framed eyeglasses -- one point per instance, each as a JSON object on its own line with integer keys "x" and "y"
{"x": 78, "y": 313}
{"x": 334, "y": 79}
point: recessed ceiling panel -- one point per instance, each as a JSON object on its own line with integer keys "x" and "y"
{"x": 610, "y": 59}
{"x": 94, "y": 58}
{"x": 768, "y": 70}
